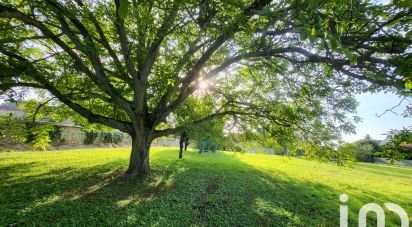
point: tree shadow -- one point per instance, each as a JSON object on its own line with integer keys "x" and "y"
{"x": 200, "y": 190}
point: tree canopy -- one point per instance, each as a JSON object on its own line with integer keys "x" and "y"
{"x": 287, "y": 66}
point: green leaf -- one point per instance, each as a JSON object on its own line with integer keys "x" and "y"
{"x": 403, "y": 3}
{"x": 409, "y": 34}
{"x": 352, "y": 58}
{"x": 123, "y": 8}
{"x": 303, "y": 36}
{"x": 302, "y": 32}
{"x": 313, "y": 31}
{"x": 408, "y": 85}
{"x": 170, "y": 82}
{"x": 333, "y": 44}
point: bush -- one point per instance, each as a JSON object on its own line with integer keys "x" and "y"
{"x": 90, "y": 137}
{"x": 378, "y": 154}
{"x": 112, "y": 137}
{"x": 238, "y": 148}
{"x": 363, "y": 152}
{"x": 348, "y": 152}
{"x": 104, "y": 137}
{"x": 12, "y": 130}
{"x": 40, "y": 136}
{"x": 345, "y": 154}
{"x": 206, "y": 145}
{"x": 212, "y": 147}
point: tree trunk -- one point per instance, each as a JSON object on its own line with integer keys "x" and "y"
{"x": 181, "y": 142}
{"x": 186, "y": 143}
{"x": 139, "y": 158}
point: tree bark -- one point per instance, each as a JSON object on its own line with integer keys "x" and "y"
{"x": 181, "y": 142}
{"x": 186, "y": 143}
{"x": 139, "y": 165}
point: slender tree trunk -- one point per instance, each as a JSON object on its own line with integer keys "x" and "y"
{"x": 181, "y": 142}
{"x": 139, "y": 158}
{"x": 186, "y": 143}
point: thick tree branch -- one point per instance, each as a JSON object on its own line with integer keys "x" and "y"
{"x": 99, "y": 78}
{"x": 89, "y": 115}
{"x": 103, "y": 40}
{"x": 124, "y": 42}
{"x": 22, "y": 39}
{"x": 26, "y": 67}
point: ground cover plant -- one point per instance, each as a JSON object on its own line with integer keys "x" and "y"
{"x": 87, "y": 187}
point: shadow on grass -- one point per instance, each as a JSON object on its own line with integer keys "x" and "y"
{"x": 200, "y": 190}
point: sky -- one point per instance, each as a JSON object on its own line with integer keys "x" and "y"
{"x": 371, "y": 105}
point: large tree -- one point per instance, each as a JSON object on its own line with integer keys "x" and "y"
{"x": 131, "y": 64}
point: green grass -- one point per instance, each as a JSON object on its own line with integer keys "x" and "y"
{"x": 86, "y": 187}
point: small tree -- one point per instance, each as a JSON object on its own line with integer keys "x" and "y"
{"x": 41, "y": 136}
{"x": 38, "y": 134}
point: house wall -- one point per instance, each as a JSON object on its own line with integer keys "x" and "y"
{"x": 166, "y": 141}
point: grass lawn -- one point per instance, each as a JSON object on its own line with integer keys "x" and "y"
{"x": 86, "y": 187}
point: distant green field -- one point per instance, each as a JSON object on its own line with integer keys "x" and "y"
{"x": 86, "y": 187}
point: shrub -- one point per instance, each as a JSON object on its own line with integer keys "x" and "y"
{"x": 90, "y": 137}
{"x": 104, "y": 137}
{"x": 212, "y": 147}
{"x": 363, "y": 152}
{"x": 12, "y": 130}
{"x": 345, "y": 154}
{"x": 238, "y": 148}
{"x": 41, "y": 136}
{"x": 112, "y": 137}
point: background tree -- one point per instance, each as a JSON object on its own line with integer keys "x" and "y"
{"x": 365, "y": 149}
{"x": 363, "y": 152}
{"x": 27, "y": 128}
{"x": 130, "y": 64}
{"x": 368, "y": 140}
{"x": 38, "y": 132}
{"x": 394, "y": 150}
{"x": 187, "y": 116}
